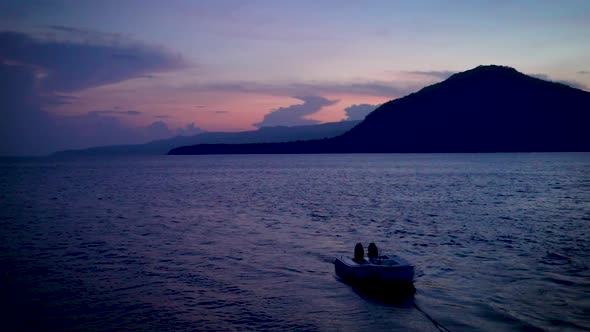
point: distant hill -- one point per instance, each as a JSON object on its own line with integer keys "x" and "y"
{"x": 485, "y": 109}
{"x": 262, "y": 135}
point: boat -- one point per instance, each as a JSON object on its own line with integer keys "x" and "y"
{"x": 379, "y": 270}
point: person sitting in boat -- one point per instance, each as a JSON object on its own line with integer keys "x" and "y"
{"x": 373, "y": 252}
{"x": 359, "y": 253}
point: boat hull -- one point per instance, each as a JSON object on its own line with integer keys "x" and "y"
{"x": 388, "y": 271}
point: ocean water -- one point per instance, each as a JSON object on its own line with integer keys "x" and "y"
{"x": 500, "y": 242}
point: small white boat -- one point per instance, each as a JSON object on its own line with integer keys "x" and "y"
{"x": 375, "y": 270}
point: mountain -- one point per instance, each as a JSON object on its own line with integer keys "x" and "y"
{"x": 262, "y": 135}
{"x": 485, "y": 109}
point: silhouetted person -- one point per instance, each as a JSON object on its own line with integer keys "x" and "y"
{"x": 373, "y": 252}
{"x": 359, "y": 253}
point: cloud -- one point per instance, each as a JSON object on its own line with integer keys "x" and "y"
{"x": 20, "y": 9}
{"x": 37, "y": 73}
{"x": 573, "y": 84}
{"x": 57, "y": 99}
{"x": 294, "y": 115}
{"x": 17, "y": 87}
{"x": 158, "y": 129}
{"x": 65, "y": 66}
{"x": 220, "y": 112}
{"x": 34, "y": 132}
{"x": 189, "y": 130}
{"x": 359, "y": 112}
{"x": 583, "y": 72}
{"x": 115, "y": 112}
{"x": 162, "y": 116}
{"x": 96, "y": 130}
{"x": 440, "y": 74}
{"x": 370, "y": 88}
{"x": 21, "y": 120}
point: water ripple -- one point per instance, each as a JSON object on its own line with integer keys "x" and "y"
{"x": 247, "y": 242}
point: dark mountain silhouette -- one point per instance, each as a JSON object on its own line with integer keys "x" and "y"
{"x": 262, "y": 135}
{"x": 485, "y": 109}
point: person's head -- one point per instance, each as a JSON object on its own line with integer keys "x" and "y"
{"x": 359, "y": 251}
{"x": 372, "y": 251}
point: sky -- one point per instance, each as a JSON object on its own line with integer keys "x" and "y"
{"x": 75, "y": 74}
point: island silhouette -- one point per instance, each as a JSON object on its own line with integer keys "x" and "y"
{"x": 275, "y": 134}
{"x": 486, "y": 109}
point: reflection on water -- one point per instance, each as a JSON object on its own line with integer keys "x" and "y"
{"x": 499, "y": 241}
{"x": 399, "y": 297}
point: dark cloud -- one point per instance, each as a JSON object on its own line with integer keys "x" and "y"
{"x": 23, "y": 126}
{"x": 583, "y": 72}
{"x": 34, "y": 132}
{"x": 57, "y": 99}
{"x": 359, "y": 112}
{"x": 83, "y": 36}
{"x": 573, "y": 84}
{"x": 189, "y": 130}
{"x": 376, "y": 88}
{"x": 129, "y": 57}
{"x": 36, "y": 73}
{"x": 162, "y": 116}
{"x": 541, "y": 76}
{"x": 158, "y": 130}
{"x": 115, "y": 112}
{"x": 294, "y": 115}
{"x": 67, "y": 29}
{"x": 441, "y": 74}
{"x": 96, "y": 130}
{"x": 16, "y": 9}
{"x": 17, "y": 87}
{"x": 63, "y": 66}
{"x": 384, "y": 89}
{"x": 220, "y": 112}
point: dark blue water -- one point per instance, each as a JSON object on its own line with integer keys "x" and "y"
{"x": 500, "y": 241}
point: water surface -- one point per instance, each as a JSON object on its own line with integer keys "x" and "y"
{"x": 500, "y": 241}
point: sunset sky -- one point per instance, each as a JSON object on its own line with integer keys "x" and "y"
{"x": 75, "y": 74}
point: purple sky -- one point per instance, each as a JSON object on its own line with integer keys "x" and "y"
{"x": 76, "y": 74}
